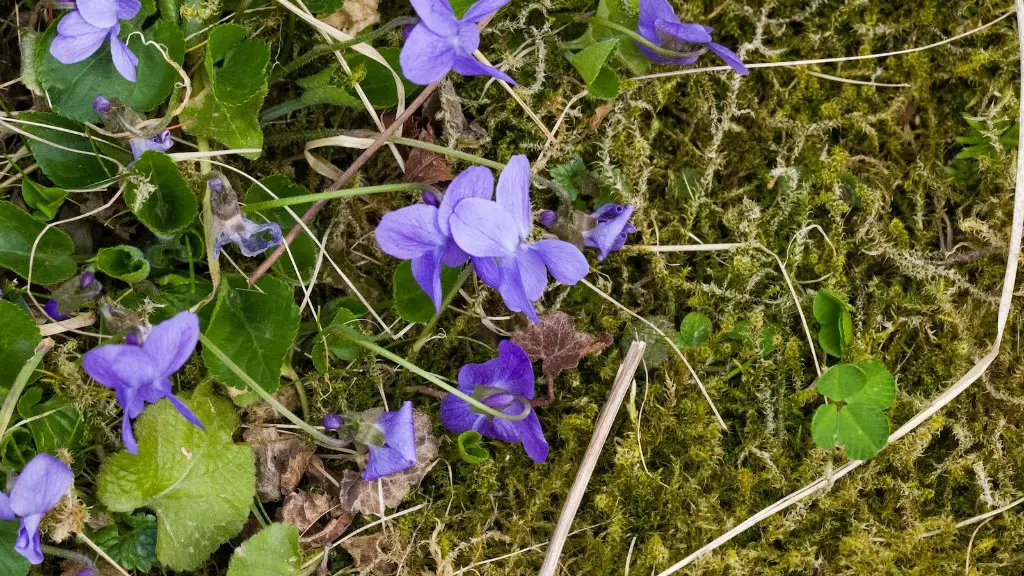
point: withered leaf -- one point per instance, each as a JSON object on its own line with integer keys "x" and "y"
{"x": 317, "y": 517}
{"x": 365, "y": 497}
{"x": 556, "y": 342}
{"x": 373, "y": 553}
{"x": 281, "y": 460}
{"x": 425, "y": 166}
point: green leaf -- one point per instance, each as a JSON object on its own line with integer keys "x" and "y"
{"x": 71, "y": 88}
{"x": 236, "y": 67}
{"x": 18, "y": 340}
{"x": 255, "y": 327}
{"x": 695, "y": 330}
{"x": 833, "y": 314}
{"x": 199, "y": 482}
{"x": 332, "y": 342}
{"x": 11, "y": 563}
{"x": 45, "y": 201}
{"x": 123, "y": 262}
{"x": 606, "y": 85}
{"x": 61, "y": 427}
{"x": 65, "y": 168}
{"x": 460, "y": 6}
{"x": 411, "y": 302}
{"x": 841, "y": 381}
{"x": 471, "y": 447}
{"x": 133, "y": 547}
{"x": 179, "y": 293}
{"x": 159, "y": 196}
{"x": 622, "y": 12}
{"x": 377, "y": 81}
{"x": 234, "y": 126}
{"x": 824, "y": 426}
{"x": 272, "y": 552}
{"x": 591, "y": 59}
{"x": 53, "y": 261}
{"x": 323, "y": 8}
{"x": 879, "y": 388}
{"x": 828, "y": 307}
{"x": 303, "y": 249}
{"x": 863, "y": 430}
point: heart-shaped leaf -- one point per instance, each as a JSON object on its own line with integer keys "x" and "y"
{"x": 841, "y": 381}
{"x": 879, "y": 387}
{"x": 54, "y": 424}
{"x": 411, "y": 302}
{"x": 159, "y": 196}
{"x": 471, "y": 447}
{"x": 590, "y": 60}
{"x": 695, "y": 330}
{"x": 44, "y": 200}
{"x": 52, "y": 261}
{"x": 123, "y": 262}
{"x": 272, "y": 552}
{"x": 824, "y": 426}
{"x": 862, "y": 430}
{"x": 68, "y": 159}
{"x": 18, "y": 340}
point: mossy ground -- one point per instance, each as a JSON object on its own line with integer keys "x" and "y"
{"x": 847, "y": 184}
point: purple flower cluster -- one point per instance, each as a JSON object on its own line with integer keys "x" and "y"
{"x": 495, "y": 234}
{"x": 81, "y": 33}
{"x": 660, "y": 24}
{"x": 440, "y": 42}
{"x": 39, "y": 487}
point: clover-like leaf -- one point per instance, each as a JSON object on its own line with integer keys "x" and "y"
{"x": 824, "y": 426}
{"x": 159, "y": 196}
{"x": 272, "y": 552}
{"x": 556, "y": 342}
{"x": 411, "y": 302}
{"x": 833, "y": 315}
{"x": 841, "y": 381}
{"x": 199, "y": 483}
{"x": 256, "y": 328}
{"x": 879, "y": 387}
{"x": 471, "y": 447}
{"x": 695, "y": 330}
{"x": 862, "y": 430}
{"x": 18, "y": 340}
{"x": 52, "y": 260}
{"x": 123, "y": 262}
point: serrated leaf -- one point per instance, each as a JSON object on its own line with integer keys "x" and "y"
{"x": 303, "y": 250}
{"x": 159, "y": 196}
{"x": 862, "y": 430}
{"x": 43, "y": 200}
{"x": 11, "y": 563}
{"x": 123, "y": 262}
{"x": 255, "y": 327}
{"x": 824, "y": 426}
{"x": 272, "y": 552}
{"x": 133, "y": 547}
{"x": 471, "y": 448}
{"x": 234, "y": 126}
{"x": 199, "y": 482}
{"x": 53, "y": 260}
{"x": 695, "y": 330}
{"x": 54, "y": 424}
{"x": 52, "y": 150}
{"x": 606, "y": 85}
{"x": 411, "y": 302}
{"x": 879, "y": 387}
{"x": 18, "y": 340}
{"x": 71, "y": 88}
{"x": 236, "y": 67}
{"x": 589, "y": 61}
{"x": 841, "y": 381}
{"x": 622, "y": 12}
{"x": 557, "y": 344}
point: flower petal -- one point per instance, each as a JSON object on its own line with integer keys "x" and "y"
{"x": 426, "y": 269}
{"x": 692, "y": 33}
{"x": 28, "y": 544}
{"x": 426, "y": 57}
{"x": 76, "y": 40}
{"x": 482, "y": 9}
{"x": 128, "y": 437}
{"x": 532, "y": 437}
{"x": 512, "y": 291}
{"x": 458, "y": 416}
{"x": 408, "y": 232}
{"x": 487, "y": 270}
{"x": 127, "y": 9}
{"x": 41, "y": 484}
{"x": 119, "y": 366}
{"x": 473, "y": 182}
{"x": 650, "y": 12}
{"x": 452, "y": 256}
{"x": 470, "y": 66}
{"x": 565, "y": 262}
{"x": 515, "y": 372}
{"x": 171, "y": 343}
{"x": 533, "y": 273}
{"x": 400, "y": 431}
{"x": 483, "y": 228}
{"x": 514, "y": 193}
{"x": 437, "y": 15}
{"x": 254, "y": 242}
{"x": 185, "y": 411}
{"x": 99, "y": 13}
{"x": 729, "y": 57}
{"x": 124, "y": 60}
{"x": 383, "y": 461}
{"x": 5, "y": 508}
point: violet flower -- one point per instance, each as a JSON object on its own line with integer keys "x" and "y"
{"x": 72, "y": 295}
{"x": 496, "y": 234}
{"x": 441, "y": 42}
{"x": 39, "y": 487}
{"x": 504, "y": 383}
{"x": 229, "y": 227}
{"x": 139, "y": 373}
{"x": 421, "y": 232}
{"x": 397, "y": 448}
{"x": 161, "y": 143}
{"x": 659, "y": 24}
{"x": 610, "y": 228}
{"x": 81, "y": 33}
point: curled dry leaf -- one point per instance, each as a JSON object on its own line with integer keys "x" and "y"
{"x": 354, "y": 15}
{"x": 318, "y": 518}
{"x": 373, "y": 553}
{"x": 558, "y": 345}
{"x": 366, "y": 497}
{"x": 281, "y": 461}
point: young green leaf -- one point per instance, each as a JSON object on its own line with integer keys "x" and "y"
{"x": 471, "y": 447}
{"x": 590, "y": 60}
{"x": 824, "y": 426}
{"x": 43, "y": 200}
{"x": 272, "y": 552}
{"x": 879, "y": 387}
{"x": 53, "y": 260}
{"x": 159, "y": 196}
{"x": 54, "y": 424}
{"x": 841, "y": 381}
{"x": 123, "y": 262}
{"x": 18, "y": 340}
{"x": 199, "y": 482}
{"x": 695, "y": 330}
{"x": 862, "y": 430}
{"x": 411, "y": 302}
{"x": 134, "y": 546}
{"x": 378, "y": 83}
{"x": 833, "y": 315}
{"x": 606, "y": 85}
{"x": 68, "y": 159}
{"x": 332, "y": 342}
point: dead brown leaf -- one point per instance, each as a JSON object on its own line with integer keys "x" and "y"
{"x": 556, "y": 342}
{"x": 372, "y": 553}
{"x": 425, "y": 166}
{"x": 281, "y": 460}
{"x": 262, "y": 412}
{"x": 388, "y": 492}
{"x": 318, "y": 518}
{"x": 599, "y": 113}
{"x": 354, "y": 15}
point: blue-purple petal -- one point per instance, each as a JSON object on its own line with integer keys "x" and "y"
{"x": 426, "y": 269}
{"x": 467, "y": 65}
{"x": 482, "y": 9}
{"x": 650, "y": 12}
{"x": 28, "y": 544}
{"x": 171, "y": 343}
{"x": 408, "y": 232}
{"x": 564, "y": 261}
{"x": 124, "y": 59}
{"x": 40, "y": 485}
{"x": 185, "y": 411}
{"x": 128, "y": 437}
{"x": 127, "y": 9}
{"x": 473, "y": 182}
{"x": 513, "y": 193}
{"x": 98, "y": 13}
{"x": 437, "y": 15}
{"x": 532, "y": 272}
{"x": 76, "y": 39}
{"x": 487, "y": 269}
{"x": 692, "y": 33}
{"x": 729, "y": 57}
{"x": 119, "y": 366}
{"x": 426, "y": 57}
{"x": 5, "y": 508}
{"x": 483, "y": 228}
{"x": 512, "y": 291}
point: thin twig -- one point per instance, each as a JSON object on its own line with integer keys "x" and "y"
{"x": 627, "y": 370}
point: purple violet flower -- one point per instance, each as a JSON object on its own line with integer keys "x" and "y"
{"x": 81, "y": 33}
{"x": 659, "y": 24}
{"x": 611, "y": 227}
{"x": 496, "y": 234}
{"x": 39, "y": 487}
{"x": 161, "y": 143}
{"x": 139, "y": 373}
{"x": 332, "y": 421}
{"x": 504, "y": 383}
{"x": 72, "y": 295}
{"x": 441, "y": 42}
{"x": 421, "y": 232}
{"x": 398, "y": 449}
{"x": 229, "y": 227}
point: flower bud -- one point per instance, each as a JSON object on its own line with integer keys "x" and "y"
{"x": 548, "y": 218}
{"x": 430, "y": 199}
{"x": 332, "y": 421}
{"x": 100, "y": 104}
